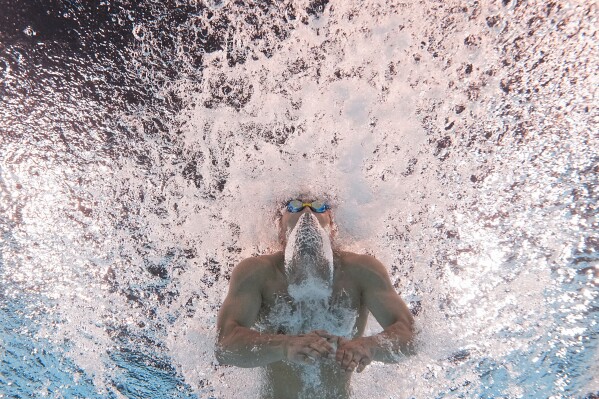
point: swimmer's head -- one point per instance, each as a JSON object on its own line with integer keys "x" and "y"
{"x": 288, "y": 219}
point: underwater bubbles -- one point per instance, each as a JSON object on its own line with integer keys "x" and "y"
{"x": 146, "y": 149}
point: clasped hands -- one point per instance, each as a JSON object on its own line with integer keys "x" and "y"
{"x": 350, "y": 354}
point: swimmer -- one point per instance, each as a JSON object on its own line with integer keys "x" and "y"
{"x": 301, "y": 313}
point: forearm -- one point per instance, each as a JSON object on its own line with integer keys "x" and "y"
{"x": 389, "y": 345}
{"x": 244, "y": 347}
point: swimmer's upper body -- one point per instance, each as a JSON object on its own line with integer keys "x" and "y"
{"x": 260, "y": 324}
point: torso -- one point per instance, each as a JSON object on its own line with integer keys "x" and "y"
{"x": 345, "y": 315}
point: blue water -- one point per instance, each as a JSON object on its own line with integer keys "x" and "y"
{"x": 144, "y": 147}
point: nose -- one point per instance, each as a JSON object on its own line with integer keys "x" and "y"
{"x": 306, "y": 210}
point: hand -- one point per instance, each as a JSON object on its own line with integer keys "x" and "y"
{"x": 333, "y": 340}
{"x": 307, "y": 348}
{"x": 353, "y": 354}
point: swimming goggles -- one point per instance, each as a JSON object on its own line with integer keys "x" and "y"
{"x": 317, "y": 206}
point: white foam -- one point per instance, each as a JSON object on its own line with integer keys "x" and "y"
{"x": 309, "y": 259}
{"x": 480, "y": 232}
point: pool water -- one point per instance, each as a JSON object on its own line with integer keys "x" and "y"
{"x": 145, "y": 148}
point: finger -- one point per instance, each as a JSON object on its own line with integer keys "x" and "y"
{"x": 323, "y": 334}
{"x": 334, "y": 341}
{"x": 347, "y": 358}
{"x": 308, "y": 359}
{"x": 331, "y": 339}
{"x": 339, "y": 356}
{"x": 351, "y": 366}
{"x": 328, "y": 346}
{"x": 312, "y": 353}
{"x": 323, "y": 348}
{"x": 317, "y": 354}
{"x": 361, "y": 367}
{"x": 365, "y": 361}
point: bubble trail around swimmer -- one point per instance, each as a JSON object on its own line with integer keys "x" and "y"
{"x": 309, "y": 260}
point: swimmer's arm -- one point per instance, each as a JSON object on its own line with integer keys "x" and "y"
{"x": 390, "y": 311}
{"x": 238, "y": 344}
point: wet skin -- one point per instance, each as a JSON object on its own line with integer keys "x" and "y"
{"x": 284, "y": 377}
{"x": 359, "y": 280}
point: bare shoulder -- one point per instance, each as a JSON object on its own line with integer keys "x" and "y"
{"x": 255, "y": 268}
{"x": 362, "y": 266}
{"x": 361, "y": 262}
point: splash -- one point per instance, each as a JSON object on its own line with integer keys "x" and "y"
{"x": 309, "y": 260}
{"x": 459, "y": 137}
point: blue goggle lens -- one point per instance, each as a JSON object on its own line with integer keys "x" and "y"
{"x": 297, "y": 205}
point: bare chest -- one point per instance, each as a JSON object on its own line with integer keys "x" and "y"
{"x": 340, "y": 314}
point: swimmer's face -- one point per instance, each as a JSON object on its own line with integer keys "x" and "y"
{"x": 289, "y": 220}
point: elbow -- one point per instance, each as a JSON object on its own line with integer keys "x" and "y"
{"x": 226, "y": 355}
{"x": 222, "y": 350}
{"x": 409, "y": 348}
{"x": 228, "y": 358}
{"x": 221, "y": 355}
